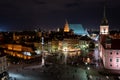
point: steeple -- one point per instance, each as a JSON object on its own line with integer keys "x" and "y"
{"x": 104, "y": 14}
{"x": 104, "y": 20}
{"x": 66, "y": 27}
{"x": 104, "y": 27}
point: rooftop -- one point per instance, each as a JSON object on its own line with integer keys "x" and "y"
{"x": 115, "y": 44}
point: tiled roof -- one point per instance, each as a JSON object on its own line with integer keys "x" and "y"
{"x": 115, "y": 44}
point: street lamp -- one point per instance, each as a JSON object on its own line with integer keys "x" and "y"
{"x": 88, "y": 74}
{"x": 86, "y": 63}
{"x": 88, "y": 68}
{"x": 43, "y": 54}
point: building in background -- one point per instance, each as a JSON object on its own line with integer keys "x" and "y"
{"x": 76, "y": 28}
{"x": 66, "y": 27}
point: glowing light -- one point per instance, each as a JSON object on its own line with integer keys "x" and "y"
{"x": 43, "y": 62}
{"x": 19, "y": 76}
{"x": 38, "y": 51}
{"x": 86, "y": 63}
{"x": 104, "y": 29}
{"x": 27, "y": 53}
{"x": 65, "y": 49}
{"x": 66, "y": 28}
{"x": 78, "y": 29}
{"x": 88, "y": 68}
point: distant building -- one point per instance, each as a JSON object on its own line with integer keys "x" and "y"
{"x": 3, "y": 67}
{"x": 69, "y": 45}
{"x": 77, "y": 29}
{"x": 66, "y": 27}
{"x": 109, "y": 47}
{"x": 17, "y": 50}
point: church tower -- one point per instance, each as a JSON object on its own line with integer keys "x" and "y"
{"x": 66, "y": 27}
{"x": 104, "y": 27}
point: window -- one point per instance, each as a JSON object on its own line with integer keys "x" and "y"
{"x": 104, "y": 30}
{"x": 117, "y": 65}
{"x": 117, "y": 60}
{"x": 110, "y": 60}
{"x": 110, "y": 64}
{"x": 117, "y": 53}
{"x": 111, "y": 53}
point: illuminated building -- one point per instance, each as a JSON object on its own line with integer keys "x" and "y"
{"x": 110, "y": 53}
{"x": 104, "y": 27}
{"x": 20, "y": 51}
{"x": 3, "y": 67}
{"x": 109, "y": 47}
{"x": 66, "y": 27}
{"x": 67, "y": 44}
{"x": 78, "y": 29}
{"x": 25, "y": 35}
{"x": 84, "y": 42}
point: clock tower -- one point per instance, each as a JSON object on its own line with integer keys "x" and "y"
{"x": 104, "y": 27}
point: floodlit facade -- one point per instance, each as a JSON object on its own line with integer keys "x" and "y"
{"x": 65, "y": 45}
{"x": 78, "y": 29}
{"x": 104, "y": 27}
{"x": 109, "y": 47}
{"x": 17, "y": 50}
{"x": 66, "y": 27}
{"x": 110, "y": 54}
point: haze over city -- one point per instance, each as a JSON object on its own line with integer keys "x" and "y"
{"x": 51, "y": 14}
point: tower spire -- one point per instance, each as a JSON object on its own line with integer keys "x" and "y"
{"x": 66, "y": 27}
{"x": 104, "y": 27}
{"x": 66, "y": 21}
{"x": 104, "y": 20}
{"x": 104, "y": 14}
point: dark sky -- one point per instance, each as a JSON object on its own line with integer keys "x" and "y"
{"x": 50, "y": 14}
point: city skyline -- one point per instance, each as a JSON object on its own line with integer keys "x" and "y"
{"x": 32, "y": 14}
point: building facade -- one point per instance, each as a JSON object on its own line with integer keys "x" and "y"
{"x": 110, "y": 54}
{"x": 3, "y": 67}
{"x": 109, "y": 47}
{"x": 77, "y": 29}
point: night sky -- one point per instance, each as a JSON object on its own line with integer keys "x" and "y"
{"x": 51, "y": 14}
